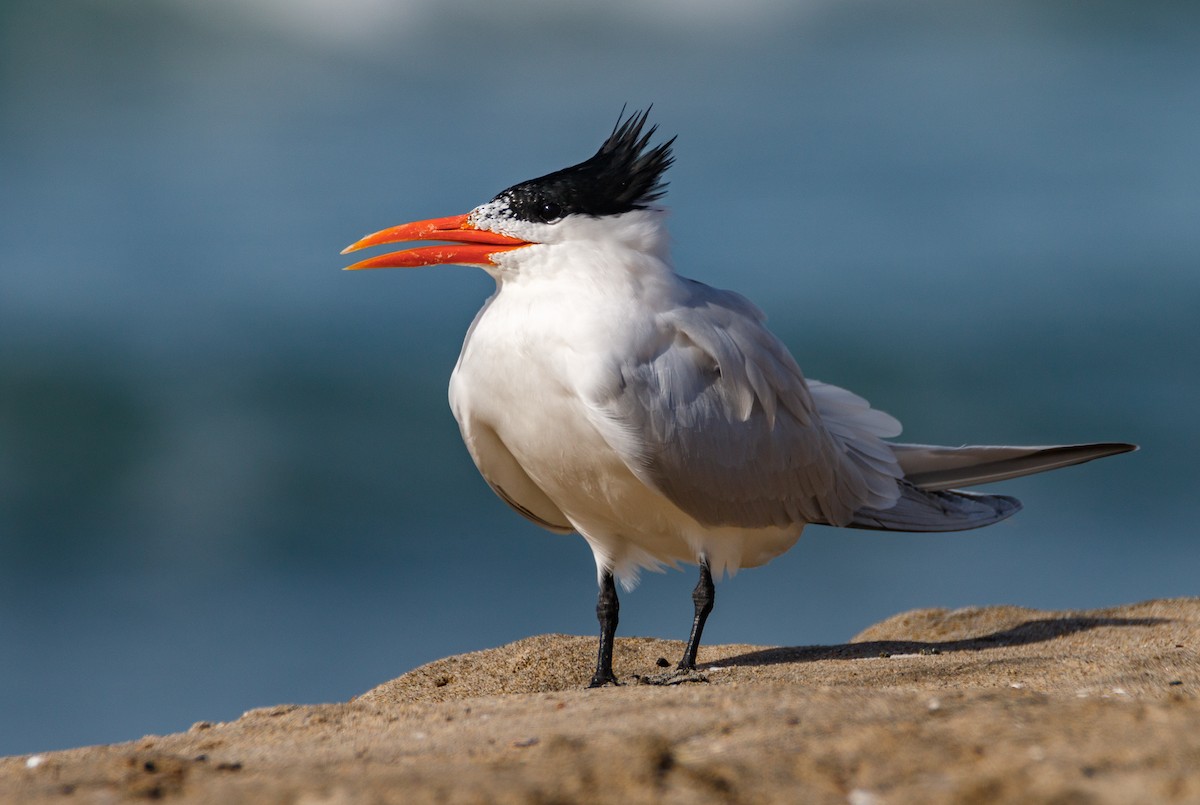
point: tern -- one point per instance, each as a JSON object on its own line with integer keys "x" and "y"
{"x": 600, "y": 392}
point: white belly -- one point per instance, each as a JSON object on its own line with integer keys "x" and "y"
{"x": 515, "y": 394}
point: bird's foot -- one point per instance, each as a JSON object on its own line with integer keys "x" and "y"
{"x": 679, "y": 676}
{"x": 604, "y": 680}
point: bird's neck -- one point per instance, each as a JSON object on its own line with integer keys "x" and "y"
{"x": 615, "y": 249}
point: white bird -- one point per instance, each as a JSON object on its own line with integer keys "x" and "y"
{"x": 598, "y": 391}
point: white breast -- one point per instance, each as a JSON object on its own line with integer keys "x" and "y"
{"x": 518, "y": 393}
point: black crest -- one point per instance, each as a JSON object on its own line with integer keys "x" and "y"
{"x": 622, "y": 176}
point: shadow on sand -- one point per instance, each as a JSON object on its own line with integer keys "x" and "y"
{"x": 1034, "y": 631}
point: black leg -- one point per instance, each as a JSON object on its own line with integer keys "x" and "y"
{"x": 607, "y": 608}
{"x": 702, "y": 597}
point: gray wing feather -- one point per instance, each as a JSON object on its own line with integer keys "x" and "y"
{"x": 929, "y": 503}
{"x": 508, "y": 480}
{"x": 949, "y": 510}
{"x": 933, "y": 467}
{"x": 717, "y": 416}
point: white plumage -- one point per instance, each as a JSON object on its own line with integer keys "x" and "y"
{"x": 601, "y": 392}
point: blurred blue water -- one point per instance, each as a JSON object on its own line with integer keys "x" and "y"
{"x": 228, "y": 475}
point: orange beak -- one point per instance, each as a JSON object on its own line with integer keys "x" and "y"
{"x": 470, "y": 246}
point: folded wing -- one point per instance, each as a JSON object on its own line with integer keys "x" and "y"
{"x": 715, "y": 414}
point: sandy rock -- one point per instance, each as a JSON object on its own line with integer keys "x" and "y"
{"x": 996, "y": 704}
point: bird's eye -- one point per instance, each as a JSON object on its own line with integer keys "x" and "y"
{"x": 551, "y": 211}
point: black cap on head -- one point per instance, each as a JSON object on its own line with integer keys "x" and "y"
{"x": 622, "y": 176}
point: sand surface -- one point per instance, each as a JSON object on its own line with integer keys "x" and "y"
{"x": 996, "y": 704}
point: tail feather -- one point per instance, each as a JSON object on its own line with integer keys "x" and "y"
{"x": 925, "y": 510}
{"x": 933, "y": 468}
{"x": 928, "y": 501}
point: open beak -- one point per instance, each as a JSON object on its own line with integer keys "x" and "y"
{"x": 468, "y": 245}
